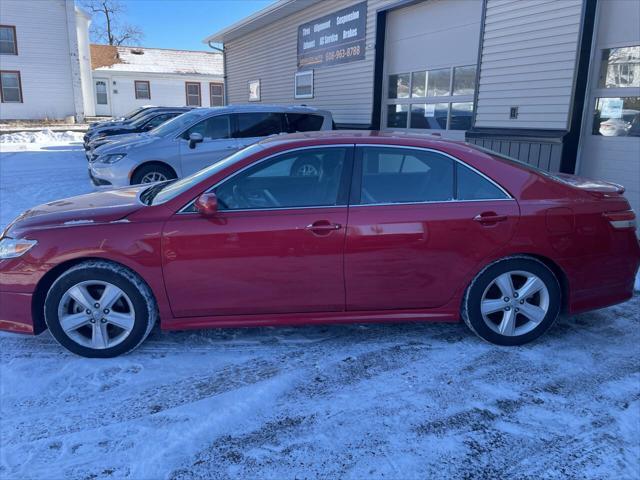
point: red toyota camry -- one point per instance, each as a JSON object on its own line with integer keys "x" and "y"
{"x": 322, "y": 228}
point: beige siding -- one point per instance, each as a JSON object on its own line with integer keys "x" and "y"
{"x": 270, "y": 54}
{"x": 529, "y": 55}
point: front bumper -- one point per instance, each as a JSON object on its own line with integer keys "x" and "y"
{"x": 108, "y": 175}
{"x": 15, "y": 313}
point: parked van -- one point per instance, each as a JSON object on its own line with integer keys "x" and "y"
{"x": 195, "y": 140}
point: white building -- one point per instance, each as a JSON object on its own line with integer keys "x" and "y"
{"x": 126, "y": 77}
{"x": 43, "y": 60}
{"x": 48, "y": 69}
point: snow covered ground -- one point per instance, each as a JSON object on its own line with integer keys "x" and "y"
{"x": 358, "y": 401}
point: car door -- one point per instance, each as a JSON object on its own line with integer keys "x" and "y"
{"x": 419, "y": 222}
{"x": 253, "y": 126}
{"x": 216, "y": 145}
{"x": 275, "y": 246}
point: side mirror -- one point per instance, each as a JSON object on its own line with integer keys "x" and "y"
{"x": 195, "y": 138}
{"x": 207, "y": 204}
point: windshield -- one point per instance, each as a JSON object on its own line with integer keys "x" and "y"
{"x": 166, "y": 191}
{"x": 133, "y": 112}
{"x": 178, "y": 123}
{"x": 142, "y": 120}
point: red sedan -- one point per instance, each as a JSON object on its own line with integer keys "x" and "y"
{"x": 322, "y": 228}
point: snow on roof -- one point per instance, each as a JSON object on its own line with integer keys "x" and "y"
{"x": 155, "y": 60}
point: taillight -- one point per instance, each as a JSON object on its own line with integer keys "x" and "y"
{"x": 626, "y": 219}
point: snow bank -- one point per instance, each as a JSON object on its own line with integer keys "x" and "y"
{"x": 46, "y": 136}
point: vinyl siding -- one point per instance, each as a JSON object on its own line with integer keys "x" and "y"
{"x": 270, "y": 54}
{"x": 44, "y": 59}
{"x": 528, "y": 60}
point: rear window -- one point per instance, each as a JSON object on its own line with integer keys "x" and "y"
{"x": 304, "y": 122}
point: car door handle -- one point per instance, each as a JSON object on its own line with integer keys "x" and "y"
{"x": 323, "y": 226}
{"x": 489, "y": 217}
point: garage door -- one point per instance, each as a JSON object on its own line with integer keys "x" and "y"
{"x": 610, "y": 142}
{"x": 431, "y": 51}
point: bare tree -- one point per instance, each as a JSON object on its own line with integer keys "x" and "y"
{"x": 107, "y": 24}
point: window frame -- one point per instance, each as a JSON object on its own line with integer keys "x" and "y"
{"x": 345, "y": 181}
{"x": 186, "y": 91}
{"x": 217, "y": 84}
{"x": 17, "y": 72}
{"x": 15, "y": 39}
{"x": 412, "y": 99}
{"x": 297, "y": 75}
{"x": 135, "y": 89}
{"x": 356, "y": 179}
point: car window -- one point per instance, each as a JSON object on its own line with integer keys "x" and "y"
{"x": 214, "y": 128}
{"x": 304, "y": 122}
{"x": 304, "y": 178}
{"x": 472, "y": 186}
{"x": 159, "y": 120}
{"x": 259, "y": 124}
{"x": 395, "y": 175}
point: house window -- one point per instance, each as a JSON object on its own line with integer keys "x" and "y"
{"x": 216, "y": 92}
{"x": 8, "y": 42}
{"x": 304, "y": 84}
{"x": 620, "y": 67}
{"x": 10, "y": 87}
{"x": 193, "y": 94}
{"x": 143, "y": 89}
{"x": 254, "y": 91}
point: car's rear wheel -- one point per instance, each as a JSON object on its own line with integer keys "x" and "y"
{"x": 512, "y": 301}
{"x": 152, "y": 173}
{"x": 99, "y": 309}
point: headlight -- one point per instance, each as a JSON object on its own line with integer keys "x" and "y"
{"x": 116, "y": 157}
{"x": 12, "y": 248}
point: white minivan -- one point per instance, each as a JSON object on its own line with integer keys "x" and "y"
{"x": 195, "y": 140}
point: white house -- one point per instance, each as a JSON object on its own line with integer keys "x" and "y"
{"x": 44, "y": 65}
{"x": 48, "y": 69}
{"x": 127, "y": 77}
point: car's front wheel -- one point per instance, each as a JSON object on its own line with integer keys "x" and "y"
{"x": 512, "y": 301}
{"x": 100, "y": 309}
{"x": 152, "y": 173}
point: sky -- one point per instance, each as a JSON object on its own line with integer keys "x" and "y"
{"x": 183, "y": 24}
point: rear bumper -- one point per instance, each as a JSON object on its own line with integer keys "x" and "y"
{"x": 598, "y": 282}
{"x": 15, "y": 313}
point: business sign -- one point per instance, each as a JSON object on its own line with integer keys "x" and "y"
{"x": 333, "y": 39}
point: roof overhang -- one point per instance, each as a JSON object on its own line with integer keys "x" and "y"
{"x": 275, "y": 11}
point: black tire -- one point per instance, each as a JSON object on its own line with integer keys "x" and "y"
{"x": 145, "y": 310}
{"x": 150, "y": 169}
{"x": 473, "y": 317}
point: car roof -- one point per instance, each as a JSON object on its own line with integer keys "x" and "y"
{"x": 372, "y": 137}
{"x": 244, "y": 108}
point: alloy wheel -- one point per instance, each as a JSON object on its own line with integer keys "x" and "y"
{"x": 153, "y": 177}
{"x": 515, "y": 303}
{"x": 96, "y": 314}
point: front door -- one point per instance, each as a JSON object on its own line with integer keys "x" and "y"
{"x": 415, "y": 233}
{"x": 103, "y": 107}
{"x": 216, "y": 145}
{"x": 275, "y": 246}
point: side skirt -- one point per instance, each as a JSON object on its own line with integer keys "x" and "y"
{"x": 313, "y": 318}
